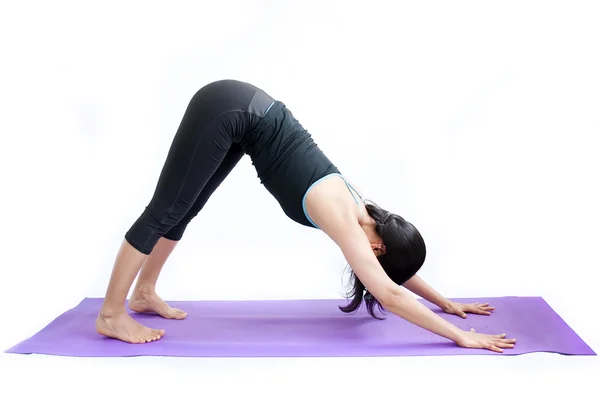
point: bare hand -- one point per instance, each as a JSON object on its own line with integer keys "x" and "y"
{"x": 456, "y": 308}
{"x": 495, "y": 343}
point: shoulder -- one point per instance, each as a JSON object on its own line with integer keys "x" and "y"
{"x": 331, "y": 206}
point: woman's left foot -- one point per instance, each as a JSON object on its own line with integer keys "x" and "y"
{"x": 146, "y": 300}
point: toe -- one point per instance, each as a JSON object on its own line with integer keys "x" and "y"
{"x": 174, "y": 313}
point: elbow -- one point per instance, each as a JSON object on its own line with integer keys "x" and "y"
{"x": 392, "y": 299}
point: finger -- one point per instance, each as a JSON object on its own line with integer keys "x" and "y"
{"x": 495, "y": 336}
{"x": 509, "y": 340}
{"x": 500, "y": 344}
{"x": 485, "y": 306}
{"x": 476, "y": 309}
{"x": 492, "y": 347}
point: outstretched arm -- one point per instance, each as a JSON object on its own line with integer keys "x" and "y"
{"x": 418, "y": 286}
{"x": 354, "y": 244}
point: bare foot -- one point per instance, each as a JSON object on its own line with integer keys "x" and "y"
{"x": 146, "y": 300}
{"x": 122, "y": 327}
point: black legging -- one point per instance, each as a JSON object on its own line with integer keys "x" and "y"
{"x": 204, "y": 151}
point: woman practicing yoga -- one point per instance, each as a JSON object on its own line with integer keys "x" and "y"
{"x": 226, "y": 120}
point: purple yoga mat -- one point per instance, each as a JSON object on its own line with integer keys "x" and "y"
{"x": 304, "y": 328}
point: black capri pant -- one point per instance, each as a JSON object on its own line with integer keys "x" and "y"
{"x": 205, "y": 149}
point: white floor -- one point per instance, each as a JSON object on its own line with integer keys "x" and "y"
{"x": 447, "y": 378}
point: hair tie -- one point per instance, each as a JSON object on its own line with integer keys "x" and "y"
{"x": 386, "y": 217}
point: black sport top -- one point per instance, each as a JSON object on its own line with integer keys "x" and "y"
{"x": 287, "y": 160}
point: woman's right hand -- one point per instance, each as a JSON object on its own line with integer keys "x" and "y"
{"x": 471, "y": 339}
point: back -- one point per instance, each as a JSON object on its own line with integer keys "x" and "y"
{"x": 287, "y": 159}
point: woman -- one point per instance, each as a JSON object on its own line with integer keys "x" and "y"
{"x": 225, "y": 120}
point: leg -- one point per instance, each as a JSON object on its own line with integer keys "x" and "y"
{"x": 113, "y": 320}
{"x": 144, "y": 297}
{"x": 198, "y": 149}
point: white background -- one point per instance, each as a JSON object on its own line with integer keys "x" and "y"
{"x": 477, "y": 121}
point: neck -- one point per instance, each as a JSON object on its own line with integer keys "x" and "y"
{"x": 368, "y": 224}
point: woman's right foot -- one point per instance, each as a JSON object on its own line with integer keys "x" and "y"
{"x": 122, "y": 327}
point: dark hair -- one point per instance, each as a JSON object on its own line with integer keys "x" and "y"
{"x": 404, "y": 256}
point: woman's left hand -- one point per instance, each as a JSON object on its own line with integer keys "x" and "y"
{"x": 457, "y": 308}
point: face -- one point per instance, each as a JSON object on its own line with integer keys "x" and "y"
{"x": 378, "y": 249}
{"x": 376, "y": 242}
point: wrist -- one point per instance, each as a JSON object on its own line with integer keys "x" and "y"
{"x": 444, "y": 304}
{"x": 458, "y": 335}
